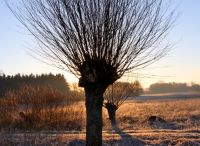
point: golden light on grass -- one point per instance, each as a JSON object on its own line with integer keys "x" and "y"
{"x": 65, "y": 123}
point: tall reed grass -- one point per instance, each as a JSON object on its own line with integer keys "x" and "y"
{"x": 41, "y": 108}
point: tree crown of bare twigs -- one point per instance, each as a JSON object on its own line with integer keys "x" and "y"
{"x": 124, "y": 34}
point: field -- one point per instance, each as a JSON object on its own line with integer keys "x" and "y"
{"x": 177, "y": 123}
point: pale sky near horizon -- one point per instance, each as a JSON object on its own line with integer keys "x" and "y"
{"x": 182, "y": 64}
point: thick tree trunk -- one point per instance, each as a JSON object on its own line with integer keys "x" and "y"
{"x": 94, "y": 103}
{"x": 112, "y": 114}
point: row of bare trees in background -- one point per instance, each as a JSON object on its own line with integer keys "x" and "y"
{"x": 173, "y": 87}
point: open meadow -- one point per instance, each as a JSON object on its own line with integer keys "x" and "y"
{"x": 153, "y": 121}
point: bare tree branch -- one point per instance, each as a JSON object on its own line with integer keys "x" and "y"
{"x": 124, "y": 33}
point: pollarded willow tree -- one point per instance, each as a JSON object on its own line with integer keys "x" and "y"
{"x": 116, "y": 94}
{"x": 96, "y": 40}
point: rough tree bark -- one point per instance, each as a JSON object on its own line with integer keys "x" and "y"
{"x": 94, "y": 102}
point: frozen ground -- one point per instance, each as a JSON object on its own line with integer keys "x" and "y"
{"x": 181, "y": 126}
{"x": 123, "y": 138}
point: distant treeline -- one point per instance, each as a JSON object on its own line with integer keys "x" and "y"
{"x": 173, "y": 87}
{"x": 15, "y": 82}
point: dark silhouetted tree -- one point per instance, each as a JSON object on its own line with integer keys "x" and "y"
{"x": 98, "y": 41}
{"x": 117, "y": 94}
